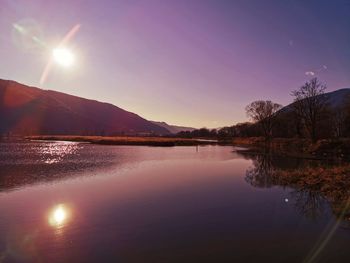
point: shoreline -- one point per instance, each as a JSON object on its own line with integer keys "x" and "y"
{"x": 298, "y": 148}
{"x": 125, "y": 140}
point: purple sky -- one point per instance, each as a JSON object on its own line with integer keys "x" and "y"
{"x": 186, "y": 62}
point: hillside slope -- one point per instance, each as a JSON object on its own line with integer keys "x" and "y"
{"x": 172, "y": 128}
{"x": 335, "y": 99}
{"x": 29, "y": 110}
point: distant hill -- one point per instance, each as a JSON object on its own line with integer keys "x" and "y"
{"x": 28, "y": 110}
{"x": 173, "y": 128}
{"x": 336, "y": 99}
{"x": 290, "y": 126}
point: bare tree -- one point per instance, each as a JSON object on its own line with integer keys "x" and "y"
{"x": 310, "y": 104}
{"x": 346, "y": 109}
{"x": 339, "y": 116}
{"x": 264, "y": 113}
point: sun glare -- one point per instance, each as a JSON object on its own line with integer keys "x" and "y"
{"x": 58, "y": 216}
{"x": 63, "y": 57}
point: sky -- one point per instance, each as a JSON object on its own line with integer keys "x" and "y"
{"x": 187, "y": 62}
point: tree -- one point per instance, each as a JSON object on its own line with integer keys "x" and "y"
{"x": 213, "y": 133}
{"x": 225, "y": 133}
{"x": 346, "y": 109}
{"x": 264, "y": 113}
{"x": 338, "y": 122}
{"x": 309, "y": 105}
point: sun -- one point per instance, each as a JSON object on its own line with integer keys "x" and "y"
{"x": 63, "y": 56}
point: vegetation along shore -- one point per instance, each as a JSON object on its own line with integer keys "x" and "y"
{"x": 124, "y": 140}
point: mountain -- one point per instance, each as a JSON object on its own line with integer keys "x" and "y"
{"x": 173, "y": 128}
{"x": 335, "y": 99}
{"x": 28, "y": 110}
{"x": 338, "y": 98}
{"x": 332, "y": 123}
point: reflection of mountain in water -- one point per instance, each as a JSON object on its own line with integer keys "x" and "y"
{"x": 24, "y": 163}
{"x": 315, "y": 184}
{"x": 31, "y": 162}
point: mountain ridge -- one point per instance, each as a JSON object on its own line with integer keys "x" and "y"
{"x": 31, "y": 110}
{"x": 335, "y": 99}
{"x": 173, "y": 128}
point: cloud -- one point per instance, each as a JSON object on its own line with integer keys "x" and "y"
{"x": 310, "y": 73}
{"x": 318, "y": 70}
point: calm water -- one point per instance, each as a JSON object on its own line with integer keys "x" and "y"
{"x": 70, "y": 202}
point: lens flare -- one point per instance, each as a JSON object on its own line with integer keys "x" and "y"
{"x": 28, "y": 36}
{"x": 63, "y": 57}
{"x": 64, "y": 41}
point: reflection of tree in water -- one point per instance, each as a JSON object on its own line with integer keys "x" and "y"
{"x": 263, "y": 172}
{"x": 260, "y": 175}
{"x": 315, "y": 183}
{"x": 309, "y": 203}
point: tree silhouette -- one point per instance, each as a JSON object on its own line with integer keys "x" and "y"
{"x": 264, "y": 113}
{"x": 309, "y": 105}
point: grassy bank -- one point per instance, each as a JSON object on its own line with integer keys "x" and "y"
{"x": 312, "y": 181}
{"x": 303, "y": 148}
{"x": 332, "y": 183}
{"x": 124, "y": 140}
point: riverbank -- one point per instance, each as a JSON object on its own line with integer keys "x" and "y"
{"x": 300, "y": 148}
{"x": 331, "y": 182}
{"x": 125, "y": 140}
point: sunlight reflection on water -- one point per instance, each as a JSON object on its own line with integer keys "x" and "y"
{"x": 55, "y": 152}
{"x": 59, "y": 216}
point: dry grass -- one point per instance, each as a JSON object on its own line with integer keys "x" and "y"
{"x": 248, "y": 141}
{"x": 333, "y": 183}
{"x": 123, "y": 140}
{"x": 303, "y": 148}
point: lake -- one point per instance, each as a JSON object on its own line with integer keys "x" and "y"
{"x": 78, "y": 202}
